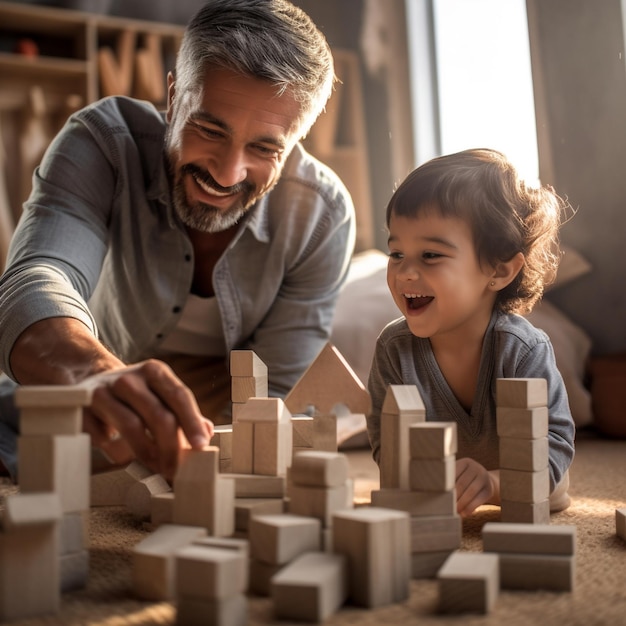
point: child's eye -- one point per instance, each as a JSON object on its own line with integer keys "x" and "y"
{"x": 395, "y": 256}
{"x": 430, "y": 256}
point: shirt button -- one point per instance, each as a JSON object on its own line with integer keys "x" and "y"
{"x": 159, "y": 336}
{"x": 176, "y": 309}
{"x": 188, "y": 257}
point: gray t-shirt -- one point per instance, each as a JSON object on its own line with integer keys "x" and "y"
{"x": 512, "y": 348}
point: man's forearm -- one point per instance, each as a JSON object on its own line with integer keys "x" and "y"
{"x": 59, "y": 350}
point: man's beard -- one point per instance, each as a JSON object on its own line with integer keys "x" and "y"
{"x": 204, "y": 217}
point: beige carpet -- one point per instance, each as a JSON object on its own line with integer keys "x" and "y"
{"x": 598, "y": 488}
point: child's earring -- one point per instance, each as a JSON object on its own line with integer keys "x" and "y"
{"x": 492, "y": 283}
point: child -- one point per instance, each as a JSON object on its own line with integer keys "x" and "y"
{"x": 470, "y": 248}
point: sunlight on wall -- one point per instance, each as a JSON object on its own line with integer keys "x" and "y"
{"x": 484, "y": 79}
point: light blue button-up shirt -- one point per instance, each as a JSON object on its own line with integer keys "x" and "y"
{"x": 99, "y": 241}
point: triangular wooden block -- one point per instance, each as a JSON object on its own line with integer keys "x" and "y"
{"x": 329, "y": 381}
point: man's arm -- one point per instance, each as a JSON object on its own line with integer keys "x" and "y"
{"x": 145, "y": 403}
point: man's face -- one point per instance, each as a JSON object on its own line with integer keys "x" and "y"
{"x": 227, "y": 147}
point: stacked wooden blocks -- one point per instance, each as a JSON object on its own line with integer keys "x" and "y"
{"x": 275, "y": 541}
{"x": 533, "y": 556}
{"x": 420, "y": 466}
{"x": 319, "y": 486}
{"x": 327, "y": 387}
{"x": 55, "y": 456}
{"x": 522, "y": 423}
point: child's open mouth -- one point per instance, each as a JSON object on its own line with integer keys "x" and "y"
{"x": 415, "y": 301}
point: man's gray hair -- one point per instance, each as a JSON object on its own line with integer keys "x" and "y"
{"x": 272, "y": 40}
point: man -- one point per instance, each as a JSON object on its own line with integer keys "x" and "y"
{"x": 153, "y": 244}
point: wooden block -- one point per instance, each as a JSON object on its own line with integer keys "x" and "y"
{"x": 74, "y": 570}
{"x": 329, "y": 381}
{"x": 522, "y": 393}
{"x": 242, "y": 460}
{"x": 73, "y": 532}
{"x": 29, "y": 556}
{"x": 522, "y": 423}
{"x": 162, "y": 508}
{"x": 320, "y": 468}
{"x": 537, "y": 571}
{"x": 376, "y": 543}
{"x": 138, "y": 499}
{"x": 522, "y": 486}
{"x": 416, "y": 503}
{"x": 241, "y": 546}
{"x": 529, "y": 455}
{"x": 257, "y": 485}
{"x": 321, "y": 502}
{"x": 59, "y": 463}
{"x": 620, "y": 523}
{"x": 149, "y": 83}
{"x": 529, "y": 538}
{"x": 31, "y": 509}
{"x": 116, "y": 70}
{"x": 230, "y": 611}
{"x": 432, "y": 474}
{"x": 525, "y": 512}
{"x": 469, "y": 583}
{"x": 203, "y": 497}
{"x": 436, "y": 533}
{"x": 154, "y": 564}
{"x": 303, "y": 430}
{"x": 262, "y": 410}
{"x": 401, "y": 408}
{"x": 261, "y": 574}
{"x": 427, "y": 564}
{"x": 247, "y": 508}
{"x": 311, "y": 588}
{"x": 325, "y": 432}
{"x": 273, "y": 448}
{"x": 243, "y": 388}
{"x": 223, "y": 439}
{"x": 246, "y": 363}
{"x": 210, "y": 572}
{"x": 278, "y": 539}
{"x": 432, "y": 440}
{"x": 109, "y": 488}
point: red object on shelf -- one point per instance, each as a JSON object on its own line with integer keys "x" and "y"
{"x": 27, "y": 47}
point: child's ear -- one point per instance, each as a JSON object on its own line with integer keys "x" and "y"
{"x": 505, "y": 272}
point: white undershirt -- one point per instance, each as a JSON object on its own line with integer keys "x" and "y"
{"x": 199, "y": 329}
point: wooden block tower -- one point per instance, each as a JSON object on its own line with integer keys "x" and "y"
{"x": 522, "y": 423}
{"x": 55, "y": 456}
{"x": 319, "y": 486}
{"x": 329, "y": 386}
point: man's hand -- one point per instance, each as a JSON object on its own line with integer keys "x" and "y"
{"x": 475, "y": 486}
{"x": 143, "y": 408}
{"x": 138, "y": 411}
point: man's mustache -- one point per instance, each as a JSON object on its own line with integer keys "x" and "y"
{"x": 209, "y": 181}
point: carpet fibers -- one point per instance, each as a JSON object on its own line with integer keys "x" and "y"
{"x": 598, "y": 487}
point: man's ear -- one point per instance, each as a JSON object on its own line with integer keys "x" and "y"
{"x": 171, "y": 91}
{"x": 505, "y": 272}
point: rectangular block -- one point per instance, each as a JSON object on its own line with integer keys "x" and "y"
{"x": 427, "y": 564}
{"x": 528, "y": 455}
{"x": 191, "y": 611}
{"x": 524, "y": 486}
{"x": 321, "y": 502}
{"x": 311, "y": 588}
{"x": 245, "y": 387}
{"x": 416, "y": 503}
{"x": 436, "y": 533}
{"x": 247, "y": 508}
{"x": 469, "y": 582}
{"x": 74, "y": 570}
{"x": 432, "y": 474}
{"x": 432, "y": 440}
{"x": 319, "y": 468}
{"x": 522, "y": 423}
{"x": 154, "y": 563}
{"x": 537, "y": 572}
{"x": 59, "y": 463}
{"x": 523, "y": 393}
{"x": 223, "y": 439}
{"x": 278, "y": 539}
{"x": 210, "y": 572}
{"x": 525, "y": 512}
{"x": 303, "y": 431}
{"x": 51, "y": 421}
{"x": 246, "y": 363}
{"x": 242, "y": 459}
{"x": 273, "y": 448}
{"x": 162, "y": 508}
{"x": 257, "y": 485}
{"x": 376, "y": 544}
{"x": 529, "y": 538}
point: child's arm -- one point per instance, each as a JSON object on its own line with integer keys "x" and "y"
{"x": 475, "y": 486}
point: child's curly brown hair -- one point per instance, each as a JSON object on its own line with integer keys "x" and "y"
{"x": 505, "y": 214}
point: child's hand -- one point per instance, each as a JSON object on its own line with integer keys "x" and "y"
{"x": 475, "y": 486}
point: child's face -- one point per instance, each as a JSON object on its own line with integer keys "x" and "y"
{"x": 435, "y": 277}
